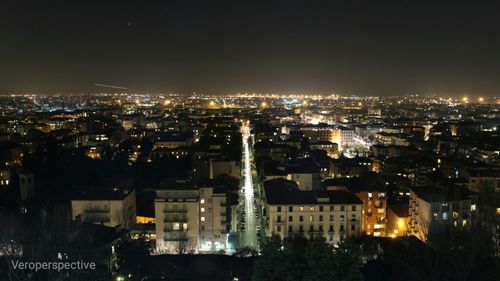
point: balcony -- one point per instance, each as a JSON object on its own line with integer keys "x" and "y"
{"x": 175, "y": 210}
{"x": 172, "y": 219}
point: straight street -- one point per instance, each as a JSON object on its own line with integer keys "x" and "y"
{"x": 249, "y": 235}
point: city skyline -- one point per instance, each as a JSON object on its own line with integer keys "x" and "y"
{"x": 344, "y": 140}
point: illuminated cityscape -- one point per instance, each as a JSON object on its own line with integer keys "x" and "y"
{"x": 249, "y": 141}
{"x": 215, "y": 175}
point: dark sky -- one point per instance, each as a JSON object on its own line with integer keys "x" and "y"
{"x": 351, "y": 47}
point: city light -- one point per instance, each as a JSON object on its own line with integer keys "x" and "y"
{"x": 283, "y": 141}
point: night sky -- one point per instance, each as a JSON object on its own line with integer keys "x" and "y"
{"x": 351, "y": 47}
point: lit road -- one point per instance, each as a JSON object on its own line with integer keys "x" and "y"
{"x": 249, "y": 237}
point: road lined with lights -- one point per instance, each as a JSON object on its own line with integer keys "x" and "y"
{"x": 249, "y": 237}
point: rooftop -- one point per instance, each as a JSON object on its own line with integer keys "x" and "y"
{"x": 284, "y": 192}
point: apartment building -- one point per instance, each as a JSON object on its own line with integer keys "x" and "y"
{"x": 290, "y": 211}
{"x": 373, "y": 196}
{"x": 230, "y": 167}
{"x": 318, "y": 133}
{"x": 190, "y": 219}
{"x": 305, "y": 173}
{"x": 433, "y": 210}
{"x": 109, "y": 207}
{"x": 479, "y": 179}
{"x": 343, "y": 137}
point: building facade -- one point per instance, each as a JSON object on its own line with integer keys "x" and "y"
{"x": 191, "y": 220}
{"x": 107, "y": 207}
{"x": 335, "y": 215}
{"x": 433, "y": 211}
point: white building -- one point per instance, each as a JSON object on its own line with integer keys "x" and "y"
{"x": 335, "y": 215}
{"x": 190, "y": 219}
{"x": 343, "y": 137}
{"x": 109, "y": 207}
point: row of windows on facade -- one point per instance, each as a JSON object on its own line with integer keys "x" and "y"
{"x": 312, "y": 208}
{"x": 444, "y": 216}
{"x": 454, "y": 206}
{"x": 320, "y": 228}
{"x": 202, "y": 201}
{"x": 311, "y": 218}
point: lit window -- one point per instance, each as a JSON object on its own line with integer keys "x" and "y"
{"x": 311, "y": 218}
{"x": 185, "y": 226}
{"x": 301, "y": 208}
{"x": 311, "y": 209}
{"x": 176, "y": 226}
{"x": 202, "y": 218}
{"x": 202, "y": 210}
{"x": 202, "y": 201}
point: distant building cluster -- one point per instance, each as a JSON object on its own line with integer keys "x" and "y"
{"x": 173, "y": 167}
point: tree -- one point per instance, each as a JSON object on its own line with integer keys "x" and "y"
{"x": 130, "y": 256}
{"x": 347, "y": 261}
{"x": 49, "y": 236}
{"x": 304, "y": 259}
{"x": 245, "y": 252}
